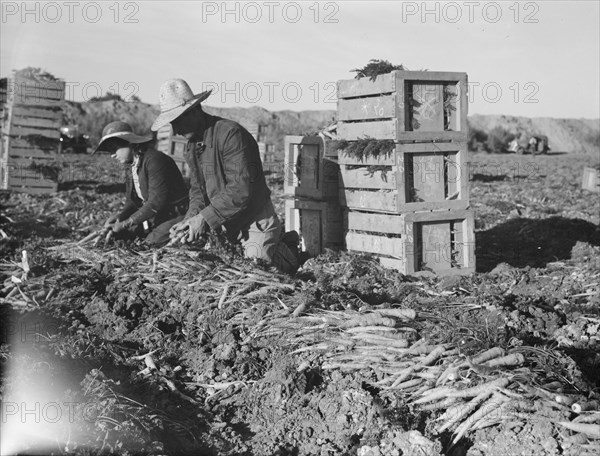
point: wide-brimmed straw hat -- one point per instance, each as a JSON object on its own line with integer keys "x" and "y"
{"x": 175, "y": 98}
{"x": 120, "y": 130}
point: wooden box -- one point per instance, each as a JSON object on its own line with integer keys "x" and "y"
{"x": 404, "y": 106}
{"x": 415, "y": 177}
{"x": 307, "y": 172}
{"x": 30, "y": 131}
{"x": 437, "y": 242}
{"x": 19, "y": 177}
{"x": 320, "y": 224}
{"x": 170, "y": 144}
{"x": 591, "y": 179}
{"x": 173, "y": 146}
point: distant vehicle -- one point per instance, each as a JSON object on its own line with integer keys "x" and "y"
{"x": 73, "y": 142}
{"x": 537, "y": 144}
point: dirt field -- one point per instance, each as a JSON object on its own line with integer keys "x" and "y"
{"x": 121, "y": 350}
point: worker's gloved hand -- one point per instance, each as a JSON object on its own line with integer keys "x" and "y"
{"x": 112, "y": 219}
{"x": 197, "y": 227}
{"x": 120, "y": 226}
{"x": 189, "y": 230}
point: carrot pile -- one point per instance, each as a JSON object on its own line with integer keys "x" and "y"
{"x": 463, "y": 393}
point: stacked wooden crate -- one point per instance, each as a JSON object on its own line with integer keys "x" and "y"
{"x": 312, "y": 205}
{"x": 265, "y": 149}
{"x": 31, "y": 119}
{"x": 173, "y": 146}
{"x": 410, "y": 206}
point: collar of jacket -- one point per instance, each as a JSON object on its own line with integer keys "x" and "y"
{"x": 208, "y": 136}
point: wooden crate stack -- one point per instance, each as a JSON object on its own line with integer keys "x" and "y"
{"x": 266, "y": 150}
{"x": 411, "y": 207}
{"x": 173, "y": 146}
{"x": 312, "y": 205}
{"x": 31, "y": 119}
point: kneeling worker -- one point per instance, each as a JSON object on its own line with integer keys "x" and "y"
{"x": 155, "y": 189}
{"x": 228, "y": 187}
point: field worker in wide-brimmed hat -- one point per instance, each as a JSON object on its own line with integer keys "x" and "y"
{"x": 157, "y": 197}
{"x": 228, "y": 188}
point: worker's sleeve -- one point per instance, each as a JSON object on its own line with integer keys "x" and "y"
{"x": 239, "y": 176}
{"x": 127, "y": 210}
{"x": 158, "y": 192}
{"x": 196, "y": 192}
{"x": 130, "y": 207}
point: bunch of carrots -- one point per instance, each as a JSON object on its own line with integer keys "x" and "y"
{"x": 465, "y": 393}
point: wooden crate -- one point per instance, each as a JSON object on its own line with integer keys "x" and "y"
{"x": 307, "y": 172}
{"x": 319, "y": 224}
{"x": 415, "y": 177}
{"x": 440, "y": 242}
{"x": 170, "y": 144}
{"x": 30, "y": 132}
{"x": 404, "y": 106}
{"x": 20, "y": 178}
{"x": 24, "y": 91}
{"x": 591, "y": 179}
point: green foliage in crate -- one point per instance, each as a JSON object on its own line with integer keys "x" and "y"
{"x": 374, "y": 68}
{"x": 36, "y": 74}
{"x": 364, "y": 147}
{"x": 449, "y": 106}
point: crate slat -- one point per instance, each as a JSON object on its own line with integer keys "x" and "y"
{"x": 380, "y": 160}
{"x": 30, "y": 181}
{"x": 28, "y": 111}
{"x": 31, "y": 154}
{"x": 383, "y": 201}
{"x": 33, "y": 190}
{"x": 367, "y": 108}
{"x": 36, "y": 102}
{"x": 369, "y": 243}
{"x": 16, "y": 130}
{"x": 18, "y": 145}
{"x": 384, "y": 83}
{"x": 351, "y": 131}
{"x": 382, "y": 223}
{"x": 362, "y": 178}
{"x": 35, "y": 122}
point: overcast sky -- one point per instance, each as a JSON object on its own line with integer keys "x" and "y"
{"x": 522, "y": 58}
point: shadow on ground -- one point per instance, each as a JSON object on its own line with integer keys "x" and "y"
{"x": 488, "y": 178}
{"x": 92, "y": 185}
{"x": 523, "y": 242}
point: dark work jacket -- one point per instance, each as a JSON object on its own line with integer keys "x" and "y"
{"x": 228, "y": 184}
{"x": 162, "y": 187}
